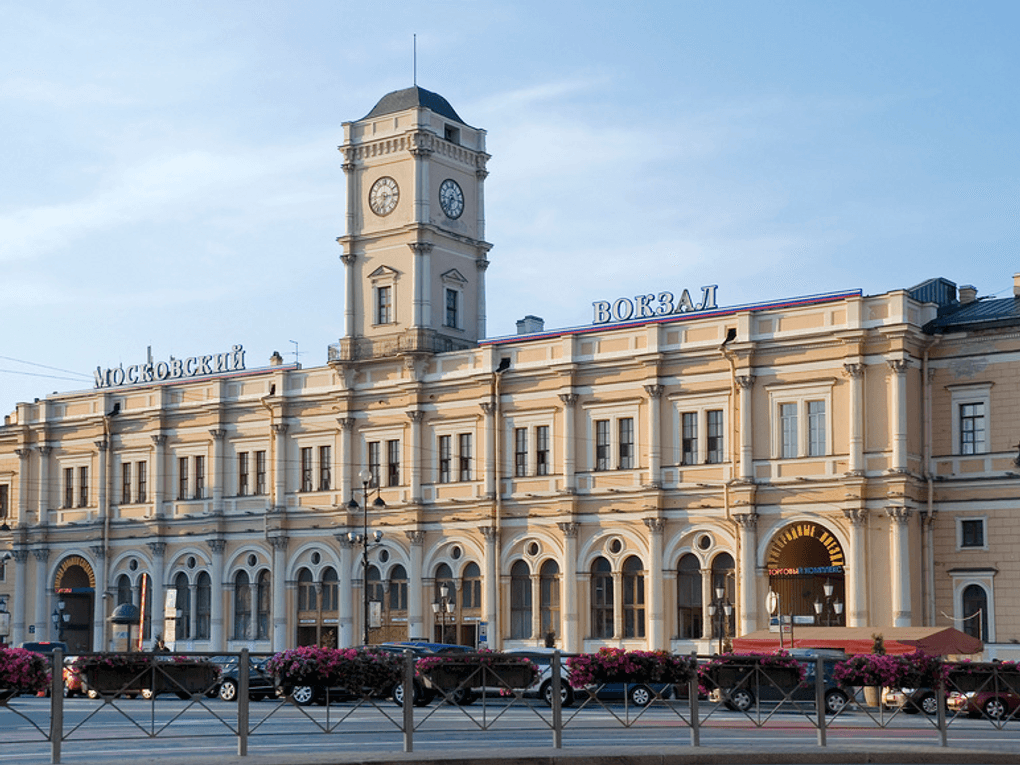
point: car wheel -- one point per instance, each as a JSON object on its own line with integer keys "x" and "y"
{"x": 929, "y": 704}
{"x": 995, "y": 708}
{"x": 566, "y": 693}
{"x": 640, "y": 695}
{"x": 228, "y": 690}
{"x": 742, "y": 699}
{"x": 463, "y": 697}
{"x": 398, "y": 695}
{"x": 303, "y": 695}
{"x": 835, "y": 701}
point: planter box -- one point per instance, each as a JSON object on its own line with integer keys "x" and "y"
{"x": 730, "y": 675}
{"x": 984, "y": 680}
{"x": 452, "y": 675}
{"x": 159, "y": 677}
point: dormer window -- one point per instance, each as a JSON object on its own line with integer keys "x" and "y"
{"x": 452, "y": 134}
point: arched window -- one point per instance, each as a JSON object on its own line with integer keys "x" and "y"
{"x": 601, "y": 598}
{"x": 264, "y": 588}
{"x": 203, "y": 606}
{"x": 306, "y": 591}
{"x": 123, "y": 590}
{"x": 183, "y": 588}
{"x": 242, "y": 605}
{"x": 549, "y": 593}
{"x": 445, "y": 619}
{"x": 975, "y": 611}
{"x": 471, "y": 590}
{"x": 520, "y": 600}
{"x": 329, "y": 592}
{"x": 723, "y": 579}
{"x": 397, "y": 601}
{"x": 688, "y": 596}
{"x": 633, "y": 598}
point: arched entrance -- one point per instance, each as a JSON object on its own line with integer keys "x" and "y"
{"x": 75, "y": 585}
{"x": 806, "y": 570}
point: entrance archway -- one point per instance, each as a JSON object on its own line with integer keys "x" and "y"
{"x": 805, "y": 566}
{"x": 75, "y": 585}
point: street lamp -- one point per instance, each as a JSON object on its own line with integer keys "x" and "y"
{"x": 59, "y": 619}
{"x": 722, "y": 608}
{"x": 365, "y": 476}
{"x": 830, "y": 607}
{"x": 442, "y": 607}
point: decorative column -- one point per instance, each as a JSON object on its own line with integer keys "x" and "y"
{"x": 345, "y": 606}
{"x": 350, "y": 281}
{"x": 217, "y": 475}
{"x": 99, "y": 605}
{"x": 421, "y": 307}
{"x": 856, "y": 598}
{"x": 156, "y": 597}
{"x": 747, "y": 579}
{"x": 416, "y": 417}
{"x": 482, "y": 264}
{"x": 569, "y": 458}
{"x": 415, "y": 612}
{"x": 856, "y": 374}
{"x": 24, "y": 477}
{"x": 536, "y": 601}
{"x": 42, "y": 588}
{"x": 158, "y": 474}
{"x": 280, "y": 468}
{"x": 900, "y": 565}
{"x": 490, "y": 586}
{"x": 707, "y": 598}
{"x": 217, "y": 633}
{"x": 489, "y": 444}
{"x": 279, "y": 607}
{"x": 746, "y": 383}
{"x": 568, "y": 589}
{"x": 44, "y": 484}
{"x": 654, "y": 436}
{"x": 898, "y": 414}
{"x": 18, "y": 628}
{"x": 617, "y": 605}
{"x": 346, "y": 457}
{"x": 654, "y": 585}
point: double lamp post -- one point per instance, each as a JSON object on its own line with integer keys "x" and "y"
{"x": 363, "y": 539}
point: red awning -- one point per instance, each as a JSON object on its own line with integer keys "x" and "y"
{"x": 934, "y": 641}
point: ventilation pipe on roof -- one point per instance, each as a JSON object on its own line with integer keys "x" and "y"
{"x": 1016, "y": 285}
{"x": 968, "y": 294}
{"x": 529, "y": 325}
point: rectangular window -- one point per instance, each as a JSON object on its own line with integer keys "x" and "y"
{"x": 260, "y": 472}
{"x": 199, "y": 477}
{"x": 626, "y": 446}
{"x": 816, "y": 428}
{"x": 242, "y": 474}
{"x": 602, "y": 444}
{"x": 5, "y": 498}
{"x": 972, "y": 428}
{"x": 689, "y": 442}
{"x": 143, "y": 481}
{"x": 68, "y": 487}
{"x": 83, "y": 486}
{"x": 788, "y": 424}
{"x": 452, "y": 298}
{"x": 383, "y": 305}
{"x": 542, "y": 450}
{"x": 715, "y": 436}
{"x": 306, "y": 468}
{"x": 393, "y": 463}
{"x": 972, "y": 533}
{"x": 520, "y": 452}
{"x": 182, "y": 478}
{"x": 374, "y": 459}
{"x": 125, "y": 483}
{"x": 325, "y": 468}
{"x": 444, "y": 459}
{"x": 464, "y": 456}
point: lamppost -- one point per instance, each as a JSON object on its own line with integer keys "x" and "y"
{"x": 722, "y": 608}
{"x": 365, "y": 476}
{"x": 830, "y": 607}
{"x": 59, "y": 619}
{"x": 442, "y": 607}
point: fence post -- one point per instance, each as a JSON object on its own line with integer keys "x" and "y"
{"x": 408, "y": 682}
{"x": 940, "y": 701}
{"x": 243, "y": 699}
{"x": 557, "y": 700}
{"x": 56, "y": 705}
{"x": 820, "y": 698}
{"x": 693, "y": 689}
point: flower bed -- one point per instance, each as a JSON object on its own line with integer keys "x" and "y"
{"x": 614, "y": 665}
{"x": 110, "y": 673}
{"x": 22, "y": 671}
{"x": 916, "y": 670}
{"x": 729, "y": 670}
{"x": 491, "y": 669}
{"x": 360, "y": 672}
{"x": 966, "y": 676}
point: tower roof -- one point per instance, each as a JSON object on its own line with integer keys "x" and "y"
{"x": 411, "y": 98}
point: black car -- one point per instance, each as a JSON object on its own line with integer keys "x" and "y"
{"x": 261, "y": 684}
{"x": 742, "y": 697}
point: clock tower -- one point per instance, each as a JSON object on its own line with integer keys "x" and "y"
{"x": 415, "y": 249}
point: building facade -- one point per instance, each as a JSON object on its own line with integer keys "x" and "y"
{"x": 644, "y": 481}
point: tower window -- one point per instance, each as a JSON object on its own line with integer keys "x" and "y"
{"x": 384, "y": 305}
{"x": 452, "y": 134}
{"x": 452, "y": 306}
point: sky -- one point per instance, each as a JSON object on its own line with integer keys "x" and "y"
{"x": 169, "y": 175}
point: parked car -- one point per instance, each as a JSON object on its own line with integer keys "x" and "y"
{"x": 742, "y": 697}
{"x": 47, "y": 647}
{"x": 995, "y": 705}
{"x": 261, "y": 684}
{"x": 910, "y": 700}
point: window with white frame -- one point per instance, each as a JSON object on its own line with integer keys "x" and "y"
{"x": 133, "y": 477}
{"x": 452, "y": 313}
{"x": 83, "y": 486}
{"x": 382, "y": 449}
{"x": 76, "y": 486}
{"x": 393, "y": 462}
{"x": 613, "y": 436}
{"x": 800, "y": 416}
{"x": 306, "y": 468}
{"x": 325, "y": 467}
{"x": 243, "y": 474}
{"x": 974, "y": 602}
{"x": 700, "y": 428}
{"x": 971, "y": 413}
{"x": 453, "y": 299}
{"x": 445, "y": 452}
{"x": 464, "y": 456}
{"x": 971, "y": 533}
{"x": 453, "y": 455}
{"x": 528, "y": 440}
{"x": 191, "y": 477}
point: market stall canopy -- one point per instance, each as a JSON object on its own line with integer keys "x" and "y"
{"x": 934, "y": 641}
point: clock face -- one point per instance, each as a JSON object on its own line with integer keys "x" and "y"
{"x": 384, "y": 196}
{"x": 451, "y": 198}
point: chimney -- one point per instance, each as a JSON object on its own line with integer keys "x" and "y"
{"x": 968, "y": 294}
{"x": 529, "y": 325}
{"x": 276, "y": 359}
{"x": 1016, "y": 285}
